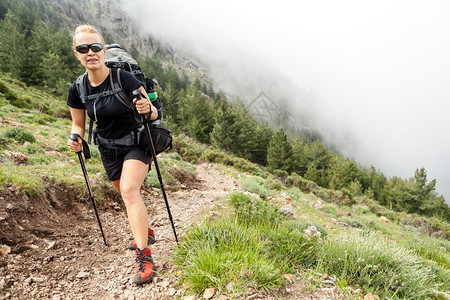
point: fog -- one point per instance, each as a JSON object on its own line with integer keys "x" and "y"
{"x": 377, "y": 73}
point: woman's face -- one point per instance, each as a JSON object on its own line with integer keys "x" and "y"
{"x": 90, "y": 60}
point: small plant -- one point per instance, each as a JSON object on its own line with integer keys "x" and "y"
{"x": 330, "y": 210}
{"x": 256, "y": 185}
{"x": 252, "y": 211}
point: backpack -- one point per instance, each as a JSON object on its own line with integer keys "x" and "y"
{"x": 117, "y": 58}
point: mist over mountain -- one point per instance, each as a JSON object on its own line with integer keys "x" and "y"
{"x": 371, "y": 78}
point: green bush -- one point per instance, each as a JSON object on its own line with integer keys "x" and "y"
{"x": 361, "y": 209}
{"x": 302, "y": 183}
{"x": 34, "y": 148}
{"x": 256, "y": 185}
{"x": 20, "y": 135}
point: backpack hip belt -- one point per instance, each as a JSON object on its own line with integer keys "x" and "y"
{"x": 131, "y": 139}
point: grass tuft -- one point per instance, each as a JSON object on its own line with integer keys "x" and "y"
{"x": 251, "y": 248}
{"x": 377, "y": 264}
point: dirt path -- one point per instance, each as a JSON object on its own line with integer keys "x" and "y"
{"x": 57, "y": 251}
{"x": 62, "y": 256}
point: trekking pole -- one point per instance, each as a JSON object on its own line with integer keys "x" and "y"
{"x": 137, "y": 94}
{"x": 74, "y": 137}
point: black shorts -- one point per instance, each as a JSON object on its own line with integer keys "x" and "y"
{"x": 113, "y": 159}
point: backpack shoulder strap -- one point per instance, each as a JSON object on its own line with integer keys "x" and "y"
{"x": 80, "y": 85}
{"x": 116, "y": 85}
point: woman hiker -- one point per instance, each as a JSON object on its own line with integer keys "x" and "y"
{"x": 126, "y": 165}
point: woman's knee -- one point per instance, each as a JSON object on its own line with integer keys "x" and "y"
{"x": 129, "y": 192}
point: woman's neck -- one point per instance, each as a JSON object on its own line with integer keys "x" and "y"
{"x": 96, "y": 77}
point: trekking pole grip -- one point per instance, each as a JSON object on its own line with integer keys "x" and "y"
{"x": 137, "y": 93}
{"x": 74, "y": 137}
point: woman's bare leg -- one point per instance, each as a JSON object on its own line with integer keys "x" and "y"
{"x": 129, "y": 187}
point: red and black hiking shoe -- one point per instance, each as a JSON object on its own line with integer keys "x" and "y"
{"x": 151, "y": 240}
{"x": 144, "y": 266}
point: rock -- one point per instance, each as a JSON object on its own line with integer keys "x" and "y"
{"x": 287, "y": 213}
{"x": 190, "y": 297}
{"x": 384, "y": 219}
{"x": 33, "y": 247}
{"x": 18, "y": 157}
{"x": 371, "y": 296}
{"x": 289, "y": 200}
{"x": 50, "y": 245}
{"x": 5, "y": 250}
{"x": 163, "y": 284}
{"x": 82, "y": 275}
{"x": 290, "y": 277}
{"x": 72, "y": 162}
{"x": 209, "y": 293}
{"x": 38, "y": 279}
{"x": 230, "y": 286}
{"x": 171, "y": 292}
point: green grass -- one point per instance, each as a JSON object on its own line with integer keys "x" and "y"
{"x": 379, "y": 265}
{"x": 252, "y": 248}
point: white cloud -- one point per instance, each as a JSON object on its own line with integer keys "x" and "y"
{"x": 380, "y": 69}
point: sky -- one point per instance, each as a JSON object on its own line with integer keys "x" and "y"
{"x": 379, "y": 71}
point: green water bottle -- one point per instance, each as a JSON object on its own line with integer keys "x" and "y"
{"x": 152, "y": 95}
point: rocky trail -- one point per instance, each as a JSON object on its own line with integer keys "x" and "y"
{"x": 53, "y": 248}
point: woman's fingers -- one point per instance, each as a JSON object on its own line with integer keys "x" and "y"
{"x": 142, "y": 106}
{"x": 74, "y": 146}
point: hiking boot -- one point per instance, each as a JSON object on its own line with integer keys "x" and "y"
{"x": 151, "y": 240}
{"x": 144, "y": 266}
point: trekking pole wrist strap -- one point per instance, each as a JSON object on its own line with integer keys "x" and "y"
{"x": 86, "y": 151}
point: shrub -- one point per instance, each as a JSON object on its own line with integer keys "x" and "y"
{"x": 256, "y": 185}
{"x": 302, "y": 183}
{"x": 361, "y": 209}
{"x": 19, "y": 135}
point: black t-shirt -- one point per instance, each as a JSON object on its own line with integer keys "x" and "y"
{"x": 114, "y": 120}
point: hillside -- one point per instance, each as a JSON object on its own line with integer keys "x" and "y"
{"x": 52, "y": 248}
{"x": 261, "y": 212}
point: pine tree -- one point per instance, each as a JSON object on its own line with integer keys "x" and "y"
{"x": 260, "y": 143}
{"x": 196, "y": 113}
{"x": 53, "y": 69}
{"x": 223, "y": 132}
{"x": 279, "y": 153}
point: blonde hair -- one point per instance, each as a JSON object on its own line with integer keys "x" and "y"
{"x": 86, "y": 28}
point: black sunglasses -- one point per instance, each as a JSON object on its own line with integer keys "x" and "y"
{"x": 84, "y": 48}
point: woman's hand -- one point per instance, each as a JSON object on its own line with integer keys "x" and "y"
{"x": 142, "y": 106}
{"x": 75, "y": 146}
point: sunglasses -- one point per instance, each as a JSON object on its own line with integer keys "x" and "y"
{"x": 84, "y": 48}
